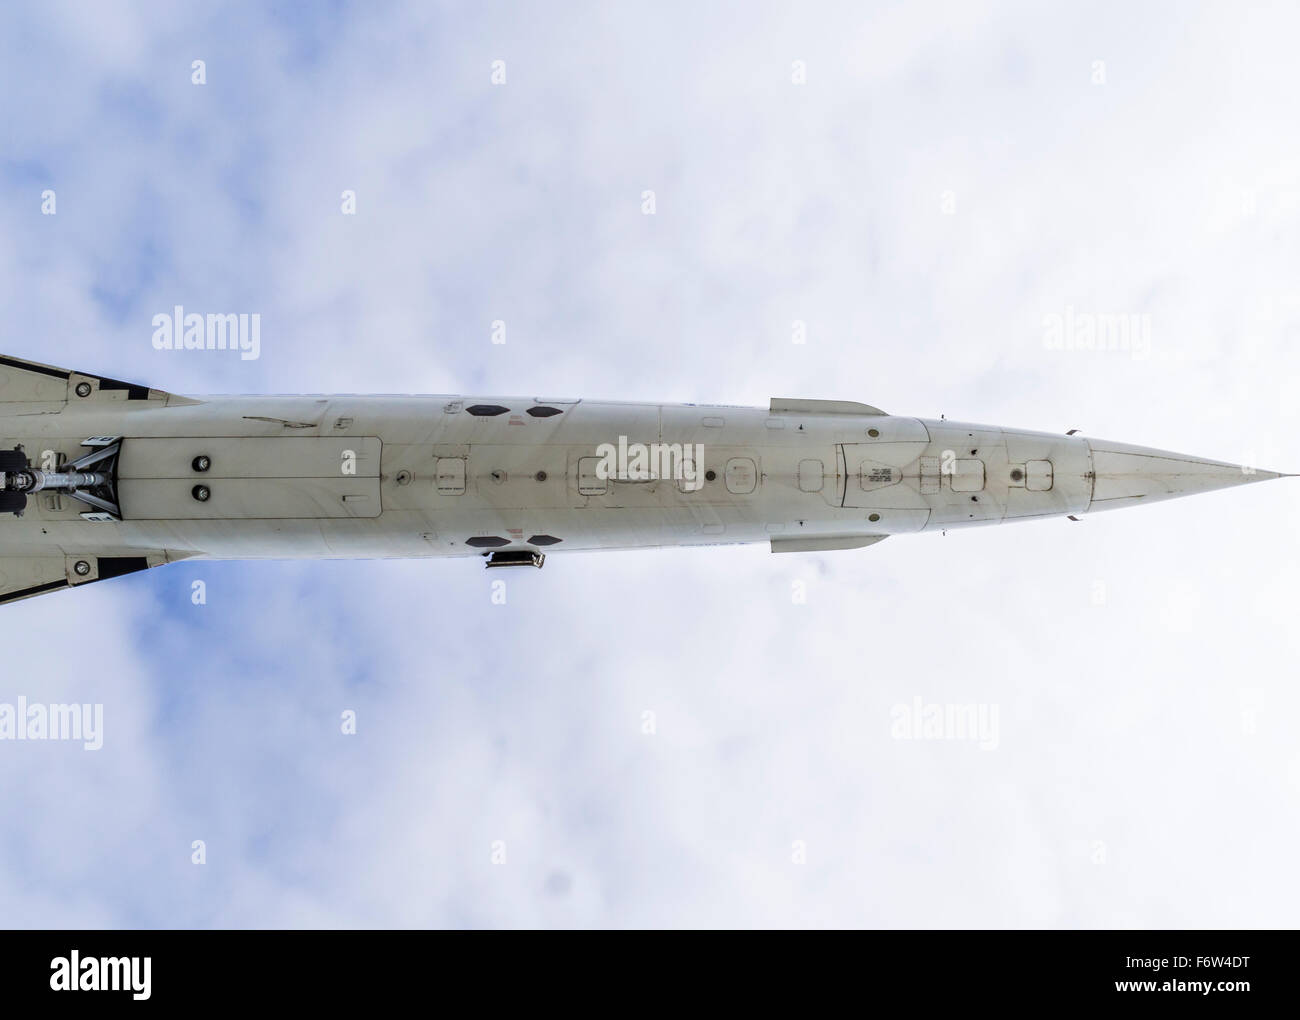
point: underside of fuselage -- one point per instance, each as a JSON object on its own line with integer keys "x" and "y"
{"x": 99, "y": 478}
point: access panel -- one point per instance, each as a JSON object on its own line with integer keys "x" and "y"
{"x": 249, "y": 477}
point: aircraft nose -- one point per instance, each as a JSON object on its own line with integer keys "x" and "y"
{"x": 1125, "y": 475}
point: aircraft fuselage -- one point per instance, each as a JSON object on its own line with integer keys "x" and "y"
{"x": 513, "y": 478}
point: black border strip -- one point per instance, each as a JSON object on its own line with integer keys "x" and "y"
{"x": 27, "y": 366}
{"x": 116, "y": 566}
{"x": 134, "y": 391}
{"x": 24, "y": 593}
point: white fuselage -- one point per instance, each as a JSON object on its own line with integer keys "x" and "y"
{"x": 101, "y": 478}
{"x": 412, "y": 476}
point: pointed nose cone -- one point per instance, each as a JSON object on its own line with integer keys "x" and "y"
{"x": 1125, "y": 475}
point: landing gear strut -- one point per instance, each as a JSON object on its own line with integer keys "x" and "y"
{"x": 91, "y": 478}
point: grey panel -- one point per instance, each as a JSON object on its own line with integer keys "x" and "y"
{"x": 249, "y": 457}
{"x": 172, "y": 499}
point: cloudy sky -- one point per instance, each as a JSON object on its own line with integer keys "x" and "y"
{"x": 944, "y": 181}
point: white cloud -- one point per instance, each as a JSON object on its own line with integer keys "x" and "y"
{"x": 1122, "y": 724}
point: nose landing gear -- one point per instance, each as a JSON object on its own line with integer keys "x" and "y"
{"x": 91, "y": 478}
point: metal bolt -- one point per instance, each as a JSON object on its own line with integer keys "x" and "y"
{"x": 83, "y": 389}
{"x": 82, "y": 567}
{"x": 201, "y": 493}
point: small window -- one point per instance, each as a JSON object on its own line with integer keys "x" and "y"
{"x": 486, "y": 410}
{"x": 544, "y": 412}
{"x": 543, "y": 540}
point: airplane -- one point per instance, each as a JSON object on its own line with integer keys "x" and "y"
{"x": 101, "y": 478}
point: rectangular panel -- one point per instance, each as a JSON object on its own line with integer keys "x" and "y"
{"x": 589, "y": 483}
{"x": 812, "y": 476}
{"x": 1038, "y": 475}
{"x": 170, "y": 499}
{"x": 967, "y": 476}
{"x": 930, "y": 476}
{"x": 449, "y": 476}
{"x": 251, "y": 457}
{"x": 741, "y": 476}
